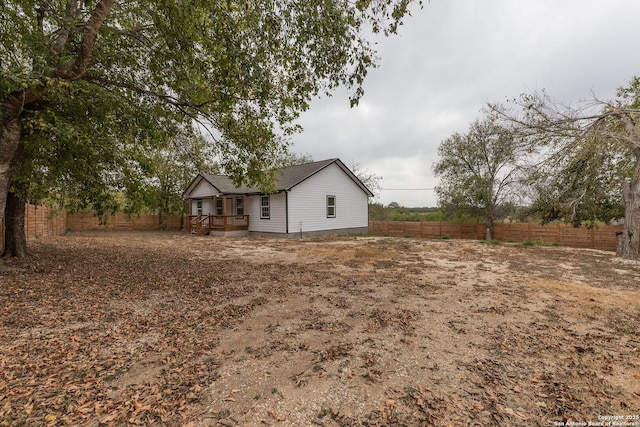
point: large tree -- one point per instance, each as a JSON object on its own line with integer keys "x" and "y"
{"x": 84, "y": 150}
{"x": 243, "y": 70}
{"x": 480, "y": 171}
{"x": 591, "y": 152}
{"x": 579, "y": 185}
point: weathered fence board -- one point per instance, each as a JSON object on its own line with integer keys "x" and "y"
{"x": 86, "y": 221}
{"x": 43, "y": 221}
{"x": 601, "y": 237}
{"x": 40, "y": 221}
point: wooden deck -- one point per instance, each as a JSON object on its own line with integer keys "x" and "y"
{"x": 204, "y": 224}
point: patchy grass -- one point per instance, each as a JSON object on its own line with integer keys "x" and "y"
{"x": 491, "y": 242}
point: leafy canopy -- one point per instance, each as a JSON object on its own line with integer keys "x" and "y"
{"x": 103, "y": 78}
{"x": 586, "y": 150}
{"x": 479, "y": 171}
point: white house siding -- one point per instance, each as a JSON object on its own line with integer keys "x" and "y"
{"x": 203, "y": 189}
{"x": 308, "y": 202}
{"x": 276, "y": 223}
{"x": 208, "y": 206}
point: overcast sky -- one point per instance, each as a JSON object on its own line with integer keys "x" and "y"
{"x": 450, "y": 59}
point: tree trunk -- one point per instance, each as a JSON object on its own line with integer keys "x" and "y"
{"x": 14, "y": 104}
{"x": 489, "y": 232}
{"x": 9, "y": 141}
{"x": 15, "y": 240}
{"x": 163, "y": 219}
{"x": 629, "y": 238}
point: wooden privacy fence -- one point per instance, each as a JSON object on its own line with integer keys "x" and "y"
{"x": 40, "y": 221}
{"x": 601, "y": 237}
{"x": 86, "y": 221}
{"x": 43, "y": 221}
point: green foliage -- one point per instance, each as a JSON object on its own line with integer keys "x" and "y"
{"x": 630, "y": 95}
{"x": 395, "y": 212}
{"x": 480, "y": 171}
{"x": 292, "y": 159}
{"x": 491, "y": 242}
{"x": 586, "y": 158}
{"x": 85, "y": 150}
{"x": 377, "y": 212}
{"x": 539, "y": 243}
{"x": 99, "y": 115}
{"x": 403, "y": 215}
{"x": 167, "y": 172}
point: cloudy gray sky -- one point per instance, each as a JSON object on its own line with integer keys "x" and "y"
{"x": 450, "y": 59}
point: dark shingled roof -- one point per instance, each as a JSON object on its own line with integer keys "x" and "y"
{"x": 286, "y": 178}
{"x": 293, "y": 175}
{"x": 225, "y": 185}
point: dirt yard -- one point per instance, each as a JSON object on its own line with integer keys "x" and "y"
{"x": 169, "y": 329}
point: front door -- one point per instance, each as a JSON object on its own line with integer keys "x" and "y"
{"x": 229, "y": 206}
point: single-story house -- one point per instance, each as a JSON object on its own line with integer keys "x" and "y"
{"x": 314, "y": 198}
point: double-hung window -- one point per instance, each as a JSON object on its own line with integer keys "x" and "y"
{"x": 199, "y": 207}
{"x": 331, "y": 206}
{"x": 265, "y": 212}
{"x": 219, "y": 207}
{"x": 239, "y": 206}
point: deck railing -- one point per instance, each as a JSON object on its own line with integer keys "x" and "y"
{"x": 202, "y": 224}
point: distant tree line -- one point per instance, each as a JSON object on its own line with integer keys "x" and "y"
{"x": 396, "y": 212}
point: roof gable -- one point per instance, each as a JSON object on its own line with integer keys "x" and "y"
{"x": 291, "y": 176}
{"x": 225, "y": 185}
{"x": 286, "y": 179}
{"x": 294, "y": 175}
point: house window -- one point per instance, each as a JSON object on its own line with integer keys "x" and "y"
{"x": 331, "y": 206}
{"x": 199, "y": 207}
{"x": 239, "y": 206}
{"x": 219, "y": 208}
{"x": 265, "y": 212}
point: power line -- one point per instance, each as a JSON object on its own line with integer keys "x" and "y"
{"x": 406, "y": 189}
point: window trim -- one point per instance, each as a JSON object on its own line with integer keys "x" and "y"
{"x": 267, "y": 207}
{"x": 199, "y": 207}
{"x": 239, "y": 205}
{"x": 219, "y": 206}
{"x": 331, "y": 206}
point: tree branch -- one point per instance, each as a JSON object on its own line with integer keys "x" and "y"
{"x": 89, "y": 37}
{"x": 169, "y": 99}
{"x": 63, "y": 34}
